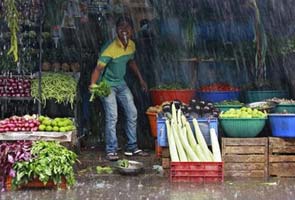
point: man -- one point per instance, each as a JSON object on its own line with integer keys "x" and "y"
{"x": 113, "y": 60}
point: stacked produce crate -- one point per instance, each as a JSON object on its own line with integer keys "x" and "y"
{"x": 245, "y": 157}
{"x": 282, "y": 157}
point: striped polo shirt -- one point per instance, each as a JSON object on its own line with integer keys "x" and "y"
{"x": 115, "y": 58}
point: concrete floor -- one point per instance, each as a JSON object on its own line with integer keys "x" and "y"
{"x": 153, "y": 184}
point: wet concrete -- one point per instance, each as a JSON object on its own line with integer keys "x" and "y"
{"x": 153, "y": 184}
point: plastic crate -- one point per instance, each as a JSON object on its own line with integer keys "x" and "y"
{"x": 197, "y": 172}
{"x": 217, "y": 96}
{"x": 260, "y": 95}
{"x": 281, "y": 108}
{"x": 282, "y": 125}
{"x": 205, "y": 125}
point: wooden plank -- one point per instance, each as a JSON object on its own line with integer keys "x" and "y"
{"x": 281, "y": 158}
{"x": 274, "y": 141}
{"x": 244, "y": 141}
{"x": 244, "y": 150}
{"x": 165, "y": 152}
{"x": 282, "y": 149}
{"x": 244, "y": 158}
{"x": 282, "y": 169}
{"x": 37, "y": 135}
{"x": 243, "y": 166}
{"x": 252, "y": 174}
{"x": 166, "y": 163}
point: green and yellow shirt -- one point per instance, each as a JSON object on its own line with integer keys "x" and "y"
{"x": 116, "y": 57}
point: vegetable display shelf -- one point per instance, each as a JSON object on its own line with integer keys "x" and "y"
{"x": 38, "y": 135}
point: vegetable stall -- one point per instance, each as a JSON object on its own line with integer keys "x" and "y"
{"x": 220, "y": 103}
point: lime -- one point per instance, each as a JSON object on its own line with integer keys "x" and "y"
{"x": 41, "y": 127}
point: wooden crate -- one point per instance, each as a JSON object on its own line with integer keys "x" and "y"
{"x": 36, "y": 183}
{"x": 165, "y": 158}
{"x": 245, "y": 157}
{"x": 281, "y": 157}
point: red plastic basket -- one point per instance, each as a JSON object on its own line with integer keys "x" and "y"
{"x": 198, "y": 172}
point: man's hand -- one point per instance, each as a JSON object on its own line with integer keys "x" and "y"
{"x": 90, "y": 86}
{"x": 144, "y": 86}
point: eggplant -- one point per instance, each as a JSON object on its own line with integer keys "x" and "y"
{"x": 202, "y": 103}
{"x": 166, "y": 108}
{"x": 184, "y": 108}
{"x": 190, "y": 109}
{"x": 177, "y": 103}
{"x": 193, "y": 102}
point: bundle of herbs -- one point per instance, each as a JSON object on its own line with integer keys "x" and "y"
{"x": 100, "y": 90}
{"x": 51, "y": 161}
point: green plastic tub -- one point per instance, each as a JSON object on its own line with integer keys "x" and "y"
{"x": 285, "y": 108}
{"x": 242, "y": 127}
{"x": 260, "y": 95}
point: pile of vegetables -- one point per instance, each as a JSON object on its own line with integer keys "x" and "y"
{"x": 15, "y": 86}
{"x": 281, "y": 101}
{"x": 16, "y": 123}
{"x": 104, "y": 170}
{"x": 195, "y": 109}
{"x": 56, "y": 124}
{"x": 172, "y": 86}
{"x": 50, "y": 161}
{"x": 123, "y": 163}
{"x": 184, "y": 145}
{"x": 11, "y": 153}
{"x": 218, "y": 87}
{"x": 100, "y": 90}
{"x": 229, "y": 103}
{"x": 55, "y": 86}
{"x": 243, "y": 112}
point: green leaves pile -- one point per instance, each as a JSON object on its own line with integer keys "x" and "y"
{"x": 51, "y": 161}
{"x": 100, "y": 90}
{"x": 123, "y": 163}
{"x": 56, "y": 86}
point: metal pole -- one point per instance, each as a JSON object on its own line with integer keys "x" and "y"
{"x": 40, "y": 55}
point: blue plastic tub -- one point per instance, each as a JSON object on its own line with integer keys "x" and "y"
{"x": 282, "y": 125}
{"x": 218, "y": 96}
{"x": 205, "y": 125}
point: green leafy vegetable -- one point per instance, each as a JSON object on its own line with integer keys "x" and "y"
{"x": 104, "y": 170}
{"x": 100, "y": 90}
{"x": 123, "y": 163}
{"x": 51, "y": 161}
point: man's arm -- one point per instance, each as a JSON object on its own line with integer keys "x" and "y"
{"x": 95, "y": 74}
{"x": 132, "y": 64}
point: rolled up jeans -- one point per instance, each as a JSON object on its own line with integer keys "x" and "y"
{"x": 125, "y": 99}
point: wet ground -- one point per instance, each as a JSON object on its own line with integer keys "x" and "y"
{"x": 153, "y": 184}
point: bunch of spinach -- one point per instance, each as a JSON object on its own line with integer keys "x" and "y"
{"x": 100, "y": 90}
{"x": 51, "y": 161}
{"x": 10, "y": 153}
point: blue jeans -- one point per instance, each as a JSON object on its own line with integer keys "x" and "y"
{"x": 125, "y": 99}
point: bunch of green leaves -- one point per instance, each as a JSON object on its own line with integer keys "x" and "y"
{"x": 51, "y": 161}
{"x": 100, "y": 90}
{"x": 172, "y": 86}
{"x": 123, "y": 163}
{"x": 104, "y": 170}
